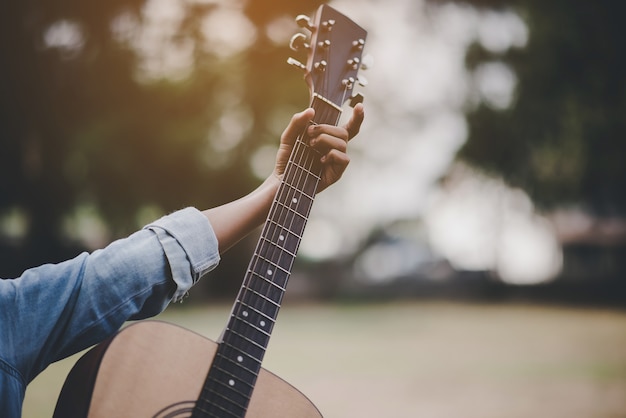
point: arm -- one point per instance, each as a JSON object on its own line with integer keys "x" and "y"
{"x": 74, "y": 304}
{"x": 233, "y": 221}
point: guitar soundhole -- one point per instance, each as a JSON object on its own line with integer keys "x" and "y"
{"x": 179, "y": 409}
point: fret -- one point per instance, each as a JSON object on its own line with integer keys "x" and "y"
{"x": 303, "y": 172}
{"x": 240, "y": 358}
{"x": 300, "y": 191}
{"x": 253, "y": 305}
{"x": 250, "y": 308}
{"x": 294, "y": 205}
{"x": 211, "y": 414}
{"x": 261, "y": 328}
{"x": 225, "y": 397}
{"x": 214, "y": 414}
{"x": 254, "y": 346}
{"x": 290, "y": 240}
{"x": 293, "y": 223}
{"x": 289, "y": 211}
{"x": 243, "y": 363}
{"x": 305, "y": 156}
{"x": 268, "y": 279}
{"x": 260, "y": 294}
{"x": 218, "y": 395}
{"x": 264, "y": 289}
{"x": 206, "y": 412}
{"x": 236, "y": 385}
{"x": 282, "y": 248}
{"x": 241, "y": 343}
{"x": 305, "y": 185}
{"x": 267, "y": 268}
{"x": 325, "y": 110}
{"x": 258, "y": 334}
{"x": 240, "y": 381}
{"x": 256, "y": 297}
{"x": 233, "y": 364}
{"x": 299, "y": 202}
{"x": 261, "y": 280}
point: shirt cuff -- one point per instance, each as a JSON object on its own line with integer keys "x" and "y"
{"x": 190, "y": 246}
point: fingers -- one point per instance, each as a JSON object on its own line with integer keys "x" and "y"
{"x": 326, "y": 137}
{"x": 323, "y": 134}
{"x": 338, "y": 160}
{"x": 329, "y": 140}
{"x": 354, "y": 124}
{"x": 335, "y": 164}
{"x": 297, "y": 125}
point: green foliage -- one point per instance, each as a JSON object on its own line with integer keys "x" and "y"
{"x": 80, "y": 125}
{"x": 563, "y": 138}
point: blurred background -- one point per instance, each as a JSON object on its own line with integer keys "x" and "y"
{"x": 486, "y": 189}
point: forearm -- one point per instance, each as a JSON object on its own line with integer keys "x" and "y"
{"x": 234, "y": 220}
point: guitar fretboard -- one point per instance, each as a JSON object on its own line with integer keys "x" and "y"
{"x": 230, "y": 382}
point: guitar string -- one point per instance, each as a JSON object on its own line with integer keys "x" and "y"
{"x": 298, "y": 171}
{"x": 274, "y": 258}
{"x": 278, "y": 212}
{"x": 302, "y": 169}
{"x": 295, "y": 169}
{"x": 294, "y": 180}
{"x": 293, "y": 189}
{"x": 301, "y": 166}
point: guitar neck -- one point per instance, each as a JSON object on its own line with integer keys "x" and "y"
{"x": 236, "y": 365}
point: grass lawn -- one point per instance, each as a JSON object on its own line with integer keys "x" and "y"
{"x": 428, "y": 359}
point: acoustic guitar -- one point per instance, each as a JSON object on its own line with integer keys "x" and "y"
{"x": 155, "y": 369}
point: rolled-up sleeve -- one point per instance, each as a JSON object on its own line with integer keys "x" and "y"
{"x": 69, "y": 306}
{"x": 190, "y": 247}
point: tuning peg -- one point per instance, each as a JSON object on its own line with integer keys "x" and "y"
{"x": 354, "y": 63}
{"x": 320, "y": 66}
{"x": 328, "y": 24}
{"x": 356, "y": 99}
{"x": 304, "y": 22}
{"x": 358, "y": 44}
{"x": 361, "y": 80}
{"x": 324, "y": 44}
{"x": 367, "y": 62}
{"x": 296, "y": 63}
{"x": 298, "y": 42}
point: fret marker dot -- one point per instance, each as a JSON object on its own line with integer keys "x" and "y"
{"x": 231, "y": 382}
{"x": 262, "y": 323}
{"x": 294, "y": 200}
{"x": 270, "y": 272}
{"x": 245, "y": 313}
{"x": 281, "y": 238}
{"x": 239, "y": 359}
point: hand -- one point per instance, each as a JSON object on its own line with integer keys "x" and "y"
{"x": 329, "y": 140}
{"x": 234, "y": 220}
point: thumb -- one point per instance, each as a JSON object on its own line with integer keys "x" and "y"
{"x": 297, "y": 125}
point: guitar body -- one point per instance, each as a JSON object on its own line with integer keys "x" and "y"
{"x": 151, "y": 369}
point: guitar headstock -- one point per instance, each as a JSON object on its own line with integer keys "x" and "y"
{"x": 334, "y": 55}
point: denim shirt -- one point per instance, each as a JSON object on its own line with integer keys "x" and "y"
{"x": 54, "y": 311}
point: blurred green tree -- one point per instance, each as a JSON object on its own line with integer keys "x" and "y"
{"x": 81, "y": 125}
{"x": 563, "y": 138}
